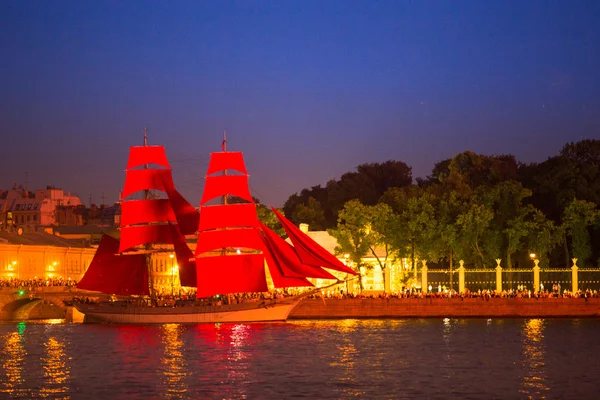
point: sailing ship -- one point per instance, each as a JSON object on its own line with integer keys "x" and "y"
{"x": 235, "y": 252}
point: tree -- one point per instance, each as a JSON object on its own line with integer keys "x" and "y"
{"x": 312, "y": 214}
{"x": 413, "y": 223}
{"x": 364, "y": 229}
{"x": 510, "y": 224}
{"x": 578, "y": 216}
{"x": 473, "y": 225}
{"x": 543, "y": 236}
{"x": 353, "y": 235}
{"x": 268, "y": 217}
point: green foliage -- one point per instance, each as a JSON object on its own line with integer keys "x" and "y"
{"x": 268, "y": 217}
{"x": 413, "y": 226}
{"x": 578, "y": 216}
{"x": 311, "y": 213}
{"x": 472, "y": 226}
{"x": 473, "y": 207}
{"x": 543, "y": 236}
{"x": 367, "y": 185}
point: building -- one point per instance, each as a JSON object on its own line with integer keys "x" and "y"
{"x": 39, "y": 255}
{"x": 27, "y": 211}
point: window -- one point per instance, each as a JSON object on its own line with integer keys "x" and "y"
{"x": 35, "y": 206}
{"x": 28, "y": 218}
{"x": 29, "y": 206}
{"x": 35, "y": 217}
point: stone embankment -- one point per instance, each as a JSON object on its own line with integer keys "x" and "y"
{"x": 451, "y": 308}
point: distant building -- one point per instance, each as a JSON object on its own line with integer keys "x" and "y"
{"x": 33, "y": 255}
{"x": 26, "y": 210}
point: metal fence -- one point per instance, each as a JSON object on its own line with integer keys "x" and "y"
{"x": 485, "y": 279}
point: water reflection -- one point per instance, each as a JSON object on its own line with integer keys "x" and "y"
{"x": 238, "y": 365}
{"x": 174, "y": 366}
{"x": 347, "y": 356}
{"x": 532, "y": 359}
{"x": 57, "y": 370}
{"x": 13, "y": 355}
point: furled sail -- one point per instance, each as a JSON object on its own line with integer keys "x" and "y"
{"x": 233, "y": 245}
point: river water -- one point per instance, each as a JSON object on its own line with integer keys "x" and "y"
{"x": 371, "y": 359}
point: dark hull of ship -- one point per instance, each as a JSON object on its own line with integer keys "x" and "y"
{"x": 118, "y": 313}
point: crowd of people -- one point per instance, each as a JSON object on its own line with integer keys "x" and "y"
{"x": 32, "y": 284}
{"x": 519, "y": 293}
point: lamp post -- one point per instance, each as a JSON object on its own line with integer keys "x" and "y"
{"x": 346, "y": 263}
{"x": 172, "y": 256}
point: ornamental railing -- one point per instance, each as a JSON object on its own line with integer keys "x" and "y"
{"x": 499, "y": 279}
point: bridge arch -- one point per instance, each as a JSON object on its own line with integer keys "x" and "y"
{"x": 23, "y": 308}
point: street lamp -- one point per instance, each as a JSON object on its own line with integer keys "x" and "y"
{"x": 172, "y": 256}
{"x": 346, "y": 263}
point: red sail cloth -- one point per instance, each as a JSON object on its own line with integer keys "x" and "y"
{"x": 248, "y": 238}
{"x": 187, "y": 216}
{"x": 146, "y": 179}
{"x": 223, "y": 161}
{"x": 113, "y": 274}
{"x": 288, "y": 259}
{"x": 281, "y": 281}
{"x": 230, "y": 274}
{"x": 185, "y": 258}
{"x": 309, "y": 251}
{"x": 143, "y": 155}
{"x": 276, "y": 269}
{"x": 228, "y": 215}
{"x": 221, "y": 185}
{"x": 146, "y": 211}
{"x": 132, "y": 236}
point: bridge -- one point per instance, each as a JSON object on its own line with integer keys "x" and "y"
{"x": 44, "y": 302}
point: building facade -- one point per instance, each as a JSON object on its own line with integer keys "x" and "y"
{"x": 27, "y": 210}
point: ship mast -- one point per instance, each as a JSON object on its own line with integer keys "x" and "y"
{"x": 224, "y": 148}
{"x": 148, "y": 246}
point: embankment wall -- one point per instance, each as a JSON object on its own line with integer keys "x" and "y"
{"x": 451, "y": 308}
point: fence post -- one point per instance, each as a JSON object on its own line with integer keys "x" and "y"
{"x": 498, "y": 276}
{"x": 461, "y": 277}
{"x": 536, "y": 276}
{"x": 424, "y": 277}
{"x": 574, "y": 277}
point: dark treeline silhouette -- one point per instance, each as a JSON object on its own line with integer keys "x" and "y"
{"x": 319, "y": 206}
{"x": 489, "y": 206}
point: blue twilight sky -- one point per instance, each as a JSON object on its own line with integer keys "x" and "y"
{"x": 306, "y": 89}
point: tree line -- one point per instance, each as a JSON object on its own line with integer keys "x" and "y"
{"x": 472, "y": 207}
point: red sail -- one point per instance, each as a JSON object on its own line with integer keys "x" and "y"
{"x": 230, "y": 274}
{"x": 309, "y": 251}
{"x": 277, "y": 268}
{"x": 143, "y": 155}
{"x": 223, "y": 161}
{"x": 228, "y": 215}
{"x": 146, "y": 179}
{"x": 145, "y": 211}
{"x": 114, "y": 274}
{"x": 288, "y": 259}
{"x": 277, "y": 276}
{"x": 248, "y": 238}
{"x": 185, "y": 258}
{"x": 236, "y": 185}
{"x": 138, "y": 235}
{"x": 187, "y": 216}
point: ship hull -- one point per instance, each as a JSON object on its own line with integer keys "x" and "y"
{"x": 118, "y": 314}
